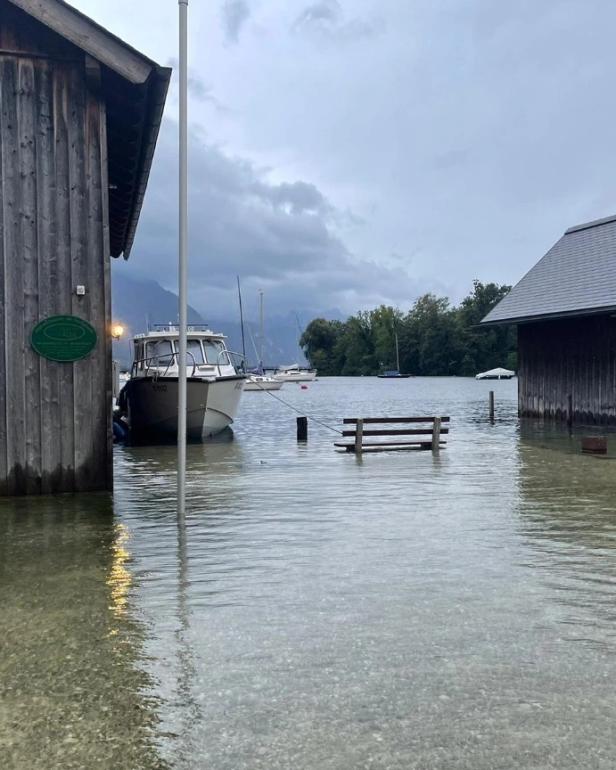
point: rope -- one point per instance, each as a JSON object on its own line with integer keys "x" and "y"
{"x": 299, "y": 411}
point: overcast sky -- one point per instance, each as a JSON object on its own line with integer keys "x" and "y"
{"x": 350, "y": 152}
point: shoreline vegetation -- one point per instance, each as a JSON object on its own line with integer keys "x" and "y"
{"x": 434, "y": 337}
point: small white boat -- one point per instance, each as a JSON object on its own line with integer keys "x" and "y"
{"x": 495, "y": 374}
{"x": 150, "y": 397}
{"x": 295, "y": 373}
{"x": 262, "y": 382}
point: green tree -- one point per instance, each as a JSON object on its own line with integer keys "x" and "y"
{"x": 319, "y": 343}
{"x": 434, "y": 338}
{"x": 358, "y": 344}
{"x": 485, "y": 347}
{"x": 431, "y": 339}
{"x": 385, "y": 323}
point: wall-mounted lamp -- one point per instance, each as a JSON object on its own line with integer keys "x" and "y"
{"x": 117, "y": 330}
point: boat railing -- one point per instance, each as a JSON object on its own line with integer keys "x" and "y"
{"x": 173, "y": 327}
{"x": 235, "y": 359}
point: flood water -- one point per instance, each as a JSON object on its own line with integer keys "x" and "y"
{"x": 320, "y": 611}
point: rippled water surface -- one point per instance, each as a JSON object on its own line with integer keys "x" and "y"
{"x": 320, "y": 611}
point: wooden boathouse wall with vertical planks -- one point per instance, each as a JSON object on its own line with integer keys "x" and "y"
{"x": 79, "y": 116}
{"x": 570, "y": 357}
{"x": 565, "y": 310}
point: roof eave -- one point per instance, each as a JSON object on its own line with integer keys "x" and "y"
{"x": 86, "y": 34}
{"x": 549, "y": 316}
{"x": 159, "y": 88}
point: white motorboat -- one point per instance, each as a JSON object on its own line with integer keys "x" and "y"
{"x": 262, "y": 382}
{"x": 495, "y": 374}
{"x": 214, "y": 385}
{"x": 295, "y": 373}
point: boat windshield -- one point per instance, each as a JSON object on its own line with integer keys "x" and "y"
{"x": 194, "y": 350}
{"x": 160, "y": 353}
{"x": 214, "y": 352}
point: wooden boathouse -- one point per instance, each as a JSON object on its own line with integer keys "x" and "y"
{"x": 79, "y": 117}
{"x": 565, "y": 311}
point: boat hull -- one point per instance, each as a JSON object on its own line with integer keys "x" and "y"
{"x": 151, "y": 406}
{"x": 269, "y": 384}
{"x": 295, "y": 376}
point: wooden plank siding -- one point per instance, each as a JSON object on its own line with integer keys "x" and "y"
{"x": 55, "y": 420}
{"x": 576, "y": 357}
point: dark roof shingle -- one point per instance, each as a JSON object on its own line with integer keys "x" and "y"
{"x": 577, "y": 276}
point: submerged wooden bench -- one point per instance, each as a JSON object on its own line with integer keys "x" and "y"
{"x": 426, "y": 437}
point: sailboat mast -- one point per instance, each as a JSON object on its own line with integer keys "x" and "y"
{"x": 262, "y": 330}
{"x": 239, "y": 294}
{"x": 299, "y": 331}
{"x": 182, "y": 257}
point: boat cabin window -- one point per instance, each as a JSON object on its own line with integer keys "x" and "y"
{"x": 160, "y": 353}
{"x": 195, "y": 353}
{"x": 214, "y": 352}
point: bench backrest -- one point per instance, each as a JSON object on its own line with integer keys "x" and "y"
{"x": 424, "y": 426}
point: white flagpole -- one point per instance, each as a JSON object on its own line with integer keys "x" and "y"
{"x": 183, "y": 258}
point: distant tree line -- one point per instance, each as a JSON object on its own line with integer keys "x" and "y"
{"x": 434, "y": 338}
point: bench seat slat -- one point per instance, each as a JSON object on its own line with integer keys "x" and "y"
{"x": 387, "y": 420}
{"x": 396, "y": 432}
{"x": 387, "y": 448}
{"x": 389, "y": 443}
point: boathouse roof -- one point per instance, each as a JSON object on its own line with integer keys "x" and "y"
{"x": 576, "y": 277}
{"x": 134, "y": 89}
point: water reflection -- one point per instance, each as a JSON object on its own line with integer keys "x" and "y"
{"x": 411, "y": 610}
{"x": 567, "y": 511}
{"x": 73, "y": 687}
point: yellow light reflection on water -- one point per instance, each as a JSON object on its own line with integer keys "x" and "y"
{"x": 120, "y": 578}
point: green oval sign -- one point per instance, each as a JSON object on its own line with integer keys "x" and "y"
{"x": 63, "y": 338}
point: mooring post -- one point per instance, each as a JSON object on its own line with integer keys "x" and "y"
{"x": 436, "y": 434}
{"x": 359, "y": 436}
{"x": 302, "y": 429}
{"x": 491, "y": 406}
{"x": 570, "y": 413}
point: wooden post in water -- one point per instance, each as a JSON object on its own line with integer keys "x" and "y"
{"x": 491, "y": 406}
{"x": 359, "y": 437}
{"x": 436, "y": 434}
{"x": 302, "y": 429}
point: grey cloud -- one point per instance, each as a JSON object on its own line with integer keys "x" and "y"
{"x": 295, "y": 197}
{"x": 235, "y": 14}
{"x": 279, "y": 237}
{"x": 198, "y": 89}
{"x": 326, "y": 11}
{"x": 327, "y": 19}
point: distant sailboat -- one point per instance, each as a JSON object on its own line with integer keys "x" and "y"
{"x": 295, "y": 372}
{"x": 257, "y": 380}
{"x": 394, "y": 374}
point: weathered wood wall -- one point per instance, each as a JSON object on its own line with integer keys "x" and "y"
{"x": 55, "y": 421}
{"x": 574, "y": 357}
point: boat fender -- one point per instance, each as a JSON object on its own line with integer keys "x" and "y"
{"x": 120, "y": 429}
